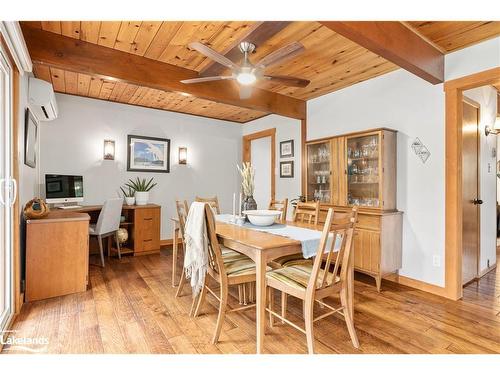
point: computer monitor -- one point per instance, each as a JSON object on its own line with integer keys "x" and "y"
{"x": 63, "y": 188}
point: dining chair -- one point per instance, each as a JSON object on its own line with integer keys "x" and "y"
{"x": 182, "y": 209}
{"x": 315, "y": 281}
{"x": 108, "y": 224}
{"x": 213, "y": 202}
{"x": 305, "y": 212}
{"x": 279, "y": 206}
{"x": 226, "y": 269}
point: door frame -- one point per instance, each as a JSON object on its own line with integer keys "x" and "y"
{"x": 453, "y": 174}
{"x": 17, "y": 295}
{"x": 247, "y": 153}
{"x": 476, "y": 105}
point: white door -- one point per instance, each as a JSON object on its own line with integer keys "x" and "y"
{"x": 7, "y": 192}
{"x": 261, "y": 161}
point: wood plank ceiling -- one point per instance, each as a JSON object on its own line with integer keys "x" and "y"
{"x": 330, "y": 61}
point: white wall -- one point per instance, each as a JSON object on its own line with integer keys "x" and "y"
{"x": 487, "y": 98}
{"x": 415, "y": 108}
{"x": 286, "y": 128}
{"x": 73, "y": 144}
{"x": 476, "y": 58}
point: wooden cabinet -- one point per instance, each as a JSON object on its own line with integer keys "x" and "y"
{"x": 143, "y": 224}
{"x": 356, "y": 169}
{"x": 359, "y": 169}
{"x": 57, "y": 255}
{"x": 147, "y": 229}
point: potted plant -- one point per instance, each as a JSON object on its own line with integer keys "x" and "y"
{"x": 141, "y": 188}
{"x": 129, "y": 194}
{"x": 247, "y": 184}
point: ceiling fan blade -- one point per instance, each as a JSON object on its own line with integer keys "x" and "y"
{"x": 288, "y": 81}
{"x": 206, "y": 79}
{"x": 214, "y": 55}
{"x": 281, "y": 54}
{"x": 245, "y": 91}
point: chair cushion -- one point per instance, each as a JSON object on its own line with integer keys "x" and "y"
{"x": 230, "y": 255}
{"x": 237, "y": 264}
{"x": 289, "y": 260}
{"x": 297, "y": 276}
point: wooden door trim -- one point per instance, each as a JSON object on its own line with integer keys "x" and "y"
{"x": 247, "y": 152}
{"x": 453, "y": 174}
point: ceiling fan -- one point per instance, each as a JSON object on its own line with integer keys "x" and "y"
{"x": 247, "y": 73}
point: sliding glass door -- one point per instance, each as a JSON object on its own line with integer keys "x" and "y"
{"x": 7, "y": 191}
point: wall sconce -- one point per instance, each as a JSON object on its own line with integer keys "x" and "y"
{"x": 109, "y": 149}
{"x": 496, "y": 128}
{"x": 183, "y": 155}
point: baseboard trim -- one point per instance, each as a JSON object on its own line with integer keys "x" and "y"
{"x": 169, "y": 242}
{"x": 417, "y": 284}
{"x": 487, "y": 270}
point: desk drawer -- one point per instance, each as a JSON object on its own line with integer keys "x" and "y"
{"x": 147, "y": 229}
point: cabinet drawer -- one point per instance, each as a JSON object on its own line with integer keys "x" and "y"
{"x": 147, "y": 229}
{"x": 371, "y": 222}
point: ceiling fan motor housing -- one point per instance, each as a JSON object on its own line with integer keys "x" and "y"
{"x": 247, "y": 47}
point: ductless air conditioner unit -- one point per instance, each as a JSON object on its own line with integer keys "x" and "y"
{"x": 42, "y": 100}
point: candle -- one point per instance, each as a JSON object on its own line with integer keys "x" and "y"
{"x": 239, "y": 209}
{"x": 234, "y": 204}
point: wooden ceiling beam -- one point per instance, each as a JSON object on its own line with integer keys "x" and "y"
{"x": 260, "y": 33}
{"x": 62, "y": 52}
{"x": 395, "y": 42}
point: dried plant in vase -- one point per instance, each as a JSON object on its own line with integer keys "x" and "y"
{"x": 247, "y": 173}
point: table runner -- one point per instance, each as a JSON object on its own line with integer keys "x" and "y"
{"x": 309, "y": 238}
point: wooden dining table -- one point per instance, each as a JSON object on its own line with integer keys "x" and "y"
{"x": 262, "y": 247}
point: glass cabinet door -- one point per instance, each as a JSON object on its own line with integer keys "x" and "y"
{"x": 319, "y": 172}
{"x": 363, "y": 170}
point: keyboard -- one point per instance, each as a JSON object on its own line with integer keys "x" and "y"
{"x": 68, "y": 207}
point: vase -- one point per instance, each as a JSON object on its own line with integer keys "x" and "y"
{"x": 248, "y": 203}
{"x": 130, "y": 201}
{"x": 141, "y": 198}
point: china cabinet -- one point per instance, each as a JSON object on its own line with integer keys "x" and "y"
{"x": 359, "y": 169}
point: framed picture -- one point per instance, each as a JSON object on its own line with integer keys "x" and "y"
{"x": 286, "y": 169}
{"x": 30, "y": 134}
{"x": 148, "y": 154}
{"x": 286, "y": 149}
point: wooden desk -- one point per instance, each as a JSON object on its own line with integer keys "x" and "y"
{"x": 143, "y": 224}
{"x": 57, "y": 255}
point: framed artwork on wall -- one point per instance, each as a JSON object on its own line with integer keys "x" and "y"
{"x": 286, "y": 169}
{"x": 148, "y": 154}
{"x": 30, "y": 135}
{"x": 286, "y": 149}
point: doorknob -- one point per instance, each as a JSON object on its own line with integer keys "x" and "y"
{"x": 477, "y": 201}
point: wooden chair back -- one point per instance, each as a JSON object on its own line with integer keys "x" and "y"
{"x": 280, "y": 206}
{"x": 215, "y": 261}
{"x": 339, "y": 227}
{"x": 307, "y": 212}
{"x": 182, "y": 213}
{"x": 213, "y": 202}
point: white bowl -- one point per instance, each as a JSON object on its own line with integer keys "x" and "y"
{"x": 262, "y": 218}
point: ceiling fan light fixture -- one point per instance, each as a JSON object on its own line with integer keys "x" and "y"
{"x": 246, "y": 78}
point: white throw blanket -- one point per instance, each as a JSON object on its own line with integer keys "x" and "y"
{"x": 196, "y": 241}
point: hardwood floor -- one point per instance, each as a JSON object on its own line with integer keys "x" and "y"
{"x": 131, "y": 308}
